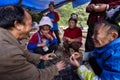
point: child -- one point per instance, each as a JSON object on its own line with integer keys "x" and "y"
{"x": 43, "y": 41}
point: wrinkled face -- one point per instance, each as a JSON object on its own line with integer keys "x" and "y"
{"x": 51, "y": 7}
{"x": 71, "y": 24}
{"x": 45, "y": 29}
{"x": 101, "y": 36}
{"x": 26, "y": 27}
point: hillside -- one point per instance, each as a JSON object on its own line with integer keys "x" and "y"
{"x": 65, "y": 11}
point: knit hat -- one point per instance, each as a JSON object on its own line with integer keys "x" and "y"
{"x": 45, "y": 21}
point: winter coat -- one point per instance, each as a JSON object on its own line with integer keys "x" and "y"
{"x": 18, "y": 64}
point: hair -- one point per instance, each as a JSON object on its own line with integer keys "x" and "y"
{"x": 10, "y": 14}
{"x": 72, "y": 20}
{"x": 51, "y": 4}
{"x": 112, "y": 27}
{"x": 41, "y": 27}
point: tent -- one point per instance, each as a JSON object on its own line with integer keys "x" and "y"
{"x": 41, "y": 5}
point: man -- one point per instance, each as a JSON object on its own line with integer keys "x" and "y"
{"x": 15, "y": 62}
{"x": 97, "y": 10}
{"x": 105, "y": 59}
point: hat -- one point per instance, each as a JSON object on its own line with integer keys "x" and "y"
{"x": 74, "y": 16}
{"x": 113, "y": 15}
{"x": 45, "y": 21}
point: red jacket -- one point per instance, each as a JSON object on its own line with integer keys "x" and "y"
{"x": 73, "y": 33}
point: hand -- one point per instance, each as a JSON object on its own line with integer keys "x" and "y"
{"x": 60, "y": 65}
{"x": 74, "y": 61}
{"x": 90, "y": 8}
{"x": 52, "y": 20}
{"x": 41, "y": 45}
{"x": 70, "y": 41}
{"x": 48, "y": 56}
{"x": 100, "y": 7}
{"x": 48, "y": 36}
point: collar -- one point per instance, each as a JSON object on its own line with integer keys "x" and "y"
{"x": 108, "y": 46}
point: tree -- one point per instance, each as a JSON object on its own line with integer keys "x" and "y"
{"x": 67, "y": 10}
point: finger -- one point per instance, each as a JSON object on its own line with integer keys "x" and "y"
{"x": 50, "y": 58}
{"x": 53, "y": 54}
{"x": 71, "y": 60}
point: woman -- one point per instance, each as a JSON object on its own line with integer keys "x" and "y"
{"x": 72, "y": 37}
{"x": 105, "y": 59}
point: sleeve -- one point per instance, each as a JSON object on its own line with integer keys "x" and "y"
{"x": 114, "y": 3}
{"x": 54, "y": 40}
{"x": 65, "y": 33}
{"x": 80, "y": 32}
{"x": 79, "y": 37}
{"x": 85, "y": 74}
{"x": 56, "y": 19}
{"x": 45, "y": 74}
{"x": 87, "y": 55}
{"x": 105, "y": 75}
{"x": 32, "y": 44}
{"x": 31, "y": 57}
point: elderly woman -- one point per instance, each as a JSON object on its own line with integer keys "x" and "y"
{"x": 105, "y": 59}
{"x": 72, "y": 37}
{"x": 17, "y": 63}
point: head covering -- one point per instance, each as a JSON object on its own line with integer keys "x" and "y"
{"x": 74, "y": 16}
{"x": 45, "y": 21}
{"x": 113, "y": 15}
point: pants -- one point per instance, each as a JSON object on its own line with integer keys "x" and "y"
{"x": 89, "y": 45}
{"x": 39, "y": 50}
{"x": 75, "y": 46}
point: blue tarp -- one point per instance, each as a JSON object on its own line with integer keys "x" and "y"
{"x": 77, "y": 3}
{"x": 41, "y": 5}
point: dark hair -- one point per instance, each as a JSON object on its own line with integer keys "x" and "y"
{"x": 112, "y": 27}
{"x": 10, "y": 14}
{"x": 52, "y": 5}
{"x": 41, "y": 27}
{"x": 72, "y": 20}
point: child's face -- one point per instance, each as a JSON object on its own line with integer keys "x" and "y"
{"x": 45, "y": 29}
{"x": 51, "y": 7}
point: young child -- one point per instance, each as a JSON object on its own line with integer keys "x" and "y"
{"x": 43, "y": 41}
{"x": 72, "y": 37}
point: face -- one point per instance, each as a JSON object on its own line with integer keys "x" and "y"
{"x": 101, "y": 37}
{"x": 45, "y": 29}
{"x": 71, "y": 24}
{"x": 51, "y": 7}
{"x": 26, "y": 27}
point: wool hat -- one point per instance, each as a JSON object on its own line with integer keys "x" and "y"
{"x": 45, "y": 21}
